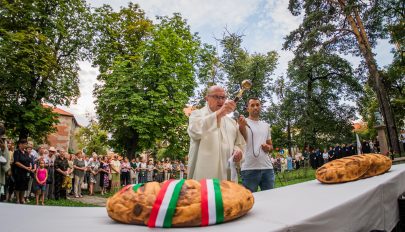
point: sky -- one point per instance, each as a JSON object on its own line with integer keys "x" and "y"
{"x": 264, "y": 24}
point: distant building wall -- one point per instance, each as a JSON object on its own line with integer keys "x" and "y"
{"x": 64, "y": 137}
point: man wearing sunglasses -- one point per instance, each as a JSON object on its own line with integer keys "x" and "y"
{"x": 214, "y": 138}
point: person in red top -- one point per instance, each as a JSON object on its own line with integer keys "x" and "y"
{"x": 41, "y": 175}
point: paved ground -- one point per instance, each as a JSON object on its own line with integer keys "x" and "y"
{"x": 95, "y": 200}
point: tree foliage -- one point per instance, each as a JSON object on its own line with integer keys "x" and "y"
{"x": 40, "y": 44}
{"x": 92, "y": 139}
{"x": 311, "y": 102}
{"x": 393, "y": 75}
{"x": 368, "y": 105}
{"x": 147, "y": 82}
{"x": 345, "y": 26}
{"x": 239, "y": 65}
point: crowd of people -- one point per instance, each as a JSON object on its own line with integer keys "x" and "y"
{"x": 50, "y": 173}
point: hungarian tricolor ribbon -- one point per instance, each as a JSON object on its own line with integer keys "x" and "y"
{"x": 212, "y": 208}
{"x": 134, "y": 187}
{"x": 137, "y": 186}
{"x": 165, "y": 204}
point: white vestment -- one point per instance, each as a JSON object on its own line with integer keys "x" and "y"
{"x": 211, "y": 144}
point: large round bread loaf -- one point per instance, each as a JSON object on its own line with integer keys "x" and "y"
{"x": 133, "y": 207}
{"x": 343, "y": 170}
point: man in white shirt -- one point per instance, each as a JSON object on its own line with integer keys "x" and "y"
{"x": 214, "y": 138}
{"x": 257, "y": 169}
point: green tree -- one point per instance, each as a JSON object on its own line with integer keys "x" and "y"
{"x": 209, "y": 72}
{"x": 145, "y": 85}
{"x": 278, "y": 136}
{"x": 346, "y": 26}
{"x": 367, "y": 106}
{"x": 311, "y": 105}
{"x": 92, "y": 138}
{"x": 239, "y": 65}
{"x": 40, "y": 44}
{"x": 119, "y": 34}
{"x": 394, "y": 79}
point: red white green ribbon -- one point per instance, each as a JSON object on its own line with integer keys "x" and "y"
{"x": 123, "y": 190}
{"x": 212, "y": 208}
{"x": 134, "y": 187}
{"x": 165, "y": 204}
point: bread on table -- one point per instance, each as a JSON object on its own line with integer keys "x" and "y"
{"x": 379, "y": 165}
{"x": 135, "y": 207}
{"x": 353, "y": 168}
{"x": 343, "y": 170}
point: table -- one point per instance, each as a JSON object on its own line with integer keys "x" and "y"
{"x": 361, "y": 205}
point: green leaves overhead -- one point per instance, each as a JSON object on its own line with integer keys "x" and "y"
{"x": 312, "y": 101}
{"x": 40, "y": 44}
{"x": 146, "y": 85}
{"x": 349, "y": 27}
{"x": 92, "y": 138}
{"x": 239, "y": 65}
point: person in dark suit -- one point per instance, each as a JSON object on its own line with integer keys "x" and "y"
{"x": 346, "y": 150}
{"x": 312, "y": 158}
{"x": 22, "y": 170}
{"x": 338, "y": 151}
{"x": 365, "y": 145}
{"x": 319, "y": 158}
{"x": 331, "y": 154}
{"x": 352, "y": 149}
{"x": 61, "y": 170}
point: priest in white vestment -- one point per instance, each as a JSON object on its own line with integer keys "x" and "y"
{"x": 214, "y": 138}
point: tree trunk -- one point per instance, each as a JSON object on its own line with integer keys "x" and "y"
{"x": 132, "y": 145}
{"x": 310, "y": 130}
{"x": 375, "y": 78}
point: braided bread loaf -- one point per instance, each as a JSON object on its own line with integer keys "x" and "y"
{"x": 353, "y": 168}
{"x": 136, "y": 206}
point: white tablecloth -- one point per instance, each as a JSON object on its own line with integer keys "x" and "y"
{"x": 311, "y": 206}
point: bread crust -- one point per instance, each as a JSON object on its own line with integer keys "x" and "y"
{"x": 353, "y": 168}
{"x": 135, "y": 207}
{"x": 379, "y": 165}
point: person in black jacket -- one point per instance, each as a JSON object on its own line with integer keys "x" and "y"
{"x": 338, "y": 151}
{"x": 345, "y": 151}
{"x": 331, "y": 154}
{"x": 319, "y": 158}
{"x": 312, "y": 158}
{"x": 61, "y": 171}
{"x": 22, "y": 169}
{"x": 365, "y": 145}
{"x": 352, "y": 149}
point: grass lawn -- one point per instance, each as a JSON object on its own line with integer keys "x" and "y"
{"x": 63, "y": 202}
{"x": 294, "y": 177}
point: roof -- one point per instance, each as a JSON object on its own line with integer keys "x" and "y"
{"x": 58, "y": 110}
{"x": 61, "y": 112}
